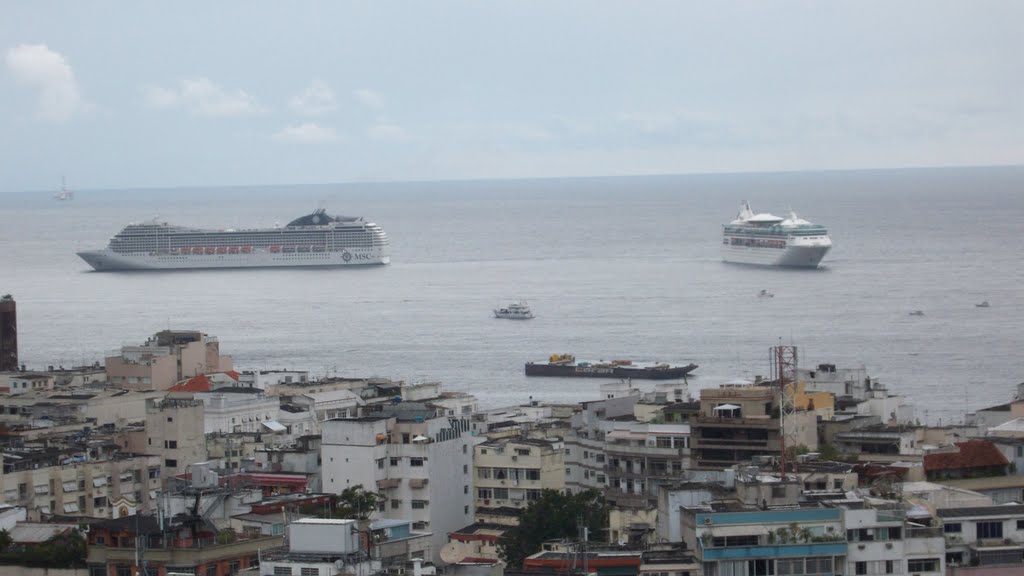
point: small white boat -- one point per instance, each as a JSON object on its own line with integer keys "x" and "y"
{"x": 982, "y": 305}
{"x": 765, "y": 294}
{"x": 917, "y": 313}
{"x": 514, "y": 311}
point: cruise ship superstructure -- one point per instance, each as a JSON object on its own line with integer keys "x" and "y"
{"x": 317, "y": 239}
{"x": 774, "y": 241}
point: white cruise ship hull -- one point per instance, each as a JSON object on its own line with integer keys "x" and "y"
{"x": 107, "y": 260}
{"x": 795, "y": 254}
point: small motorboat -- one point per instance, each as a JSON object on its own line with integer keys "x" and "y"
{"x": 917, "y": 313}
{"x": 765, "y": 294}
{"x": 982, "y": 305}
{"x": 514, "y": 311}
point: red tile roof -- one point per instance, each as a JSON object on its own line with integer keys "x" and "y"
{"x": 198, "y": 383}
{"x": 971, "y": 454}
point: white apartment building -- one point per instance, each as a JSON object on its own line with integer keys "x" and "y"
{"x": 264, "y": 379}
{"x": 239, "y": 410}
{"x": 421, "y": 463}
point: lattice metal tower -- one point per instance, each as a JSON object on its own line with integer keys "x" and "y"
{"x": 783, "y": 361}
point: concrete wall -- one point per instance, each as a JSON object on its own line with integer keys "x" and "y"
{"x": 26, "y": 571}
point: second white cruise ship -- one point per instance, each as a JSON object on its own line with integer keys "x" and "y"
{"x": 317, "y": 239}
{"x": 773, "y": 241}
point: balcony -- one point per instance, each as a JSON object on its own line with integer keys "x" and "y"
{"x": 820, "y": 549}
{"x": 716, "y": 422}
{"x": 201, "y": 553}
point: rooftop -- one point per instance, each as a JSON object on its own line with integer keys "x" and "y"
{"x": 1007, "y": 510}
{"x": 970, "y": 454}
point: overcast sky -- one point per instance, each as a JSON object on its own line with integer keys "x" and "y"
{"x": 152, "y": 94}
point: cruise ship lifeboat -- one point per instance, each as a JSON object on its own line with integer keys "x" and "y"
{"x": 275, "y": 249}
{"x": 246, "y": 249}
{"x": 211, "y": 250}
{"x": 222, "y": 250}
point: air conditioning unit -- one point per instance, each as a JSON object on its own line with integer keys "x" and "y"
{"x": 888, "y": 545}
{"x": 486, "y": 502}
{"x": 515, "y": 457}
{"x": 708, "y": 520}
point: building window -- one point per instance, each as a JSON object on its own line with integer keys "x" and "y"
{"x": 170, "y": 463}
{"x": 396, "y": 504}
{"x": 170, "y": 419}
{"x": 465, "y": 509}
{"x": 310, "y": 572}
{"x": 1020, "y": 524}
{"x": 380, "y": 463}
{"x": 416, "y": 462}
{"x": 923, "y": 565}
{"x": 951, "y": 528}
{"x": 483, "y": 472}
{"x": 760, "y": 567}
{"x": 778, "y": 491}
{"x": 860, "y": 568}
{"x": 526, "y": 452}
{"x": 282, "y": 571}
{"x": 532, "y": 474}
{"x": 394, "y": 461}
{"x": 987, "y": 530}
{"x": 484, "y": 493}
{"x": 124, "y": 570}
{"x": 954, "y": 559}
{"x": 419, "y": 504}
{"x": 465, "y": 488}
{"x": 890, "y": 567}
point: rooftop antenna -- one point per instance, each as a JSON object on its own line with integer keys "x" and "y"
{"x": 783, "y": 370}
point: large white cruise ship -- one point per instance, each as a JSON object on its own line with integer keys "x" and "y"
{"x": 773, "y": 241}
{"x": 313, "y": 240}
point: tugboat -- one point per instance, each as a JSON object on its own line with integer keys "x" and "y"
{"x": 765, "y": 294}
{"x": 982, "y": 305}
{"x": 514, "y": 311}
{"x": 566, "y": 365}
{"x": 917, "y": 313}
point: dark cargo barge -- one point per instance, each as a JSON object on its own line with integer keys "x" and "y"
{"x": 565, "y": 365}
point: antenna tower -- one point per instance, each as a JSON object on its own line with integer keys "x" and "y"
{"x": 783, "y": 360}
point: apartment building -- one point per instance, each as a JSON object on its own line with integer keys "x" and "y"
{"x": 763, "y": 542}
{"x": 739, "y": 422}
{"x": 420, "y": 461}
{"x": 988, "y": 538}
{"x": 165, "y": 359}
{"x": 175, "y": 432}
{"x": 511, "y": 472}
{"x": 885, "y": 541}
{"x": 95, "y": 481}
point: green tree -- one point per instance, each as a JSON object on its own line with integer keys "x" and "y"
{"x": 5, "y": 540}
{"x": 358, "y": 503}
{"x": 554, "y": 515}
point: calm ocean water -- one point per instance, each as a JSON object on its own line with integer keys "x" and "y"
{"x": 613, "y": 267}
